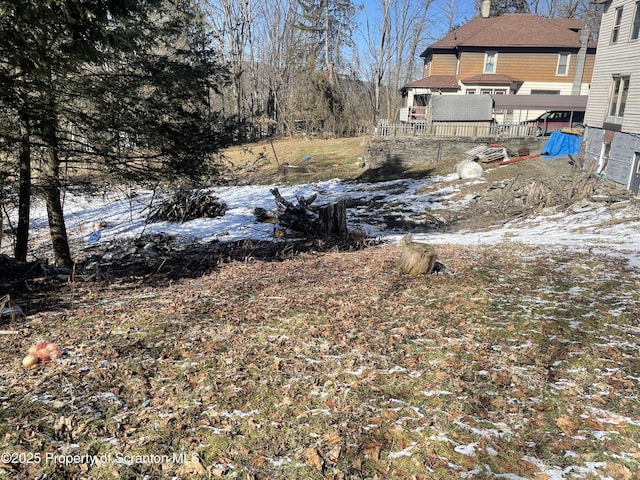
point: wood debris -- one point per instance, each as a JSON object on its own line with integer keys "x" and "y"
{"x": 327, "y": 221}
{"x": 185, "y": 205}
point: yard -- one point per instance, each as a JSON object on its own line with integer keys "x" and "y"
{"x": 519, "y": 361}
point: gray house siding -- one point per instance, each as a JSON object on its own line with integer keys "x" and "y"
{"x": 461, "y": 108}
{"x": 620, "y": 158}
{"x": 622, "y": 153}
{"x": 620, "y": 58}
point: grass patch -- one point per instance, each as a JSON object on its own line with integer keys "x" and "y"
{"x": 296, "y": 160}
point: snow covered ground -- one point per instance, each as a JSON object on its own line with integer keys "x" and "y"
{"x": 122, "y": 213}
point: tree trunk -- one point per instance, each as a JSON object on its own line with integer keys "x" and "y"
{"x": 50, "y": 171}
{"x": 24, "y": 199}
{"x": 417, "y": 258}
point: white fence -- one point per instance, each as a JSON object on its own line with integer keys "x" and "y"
{"x": 456, "y": 129}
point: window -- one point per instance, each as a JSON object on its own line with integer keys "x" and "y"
{"x": 562, "y": 69}
{"x": 616, "y": 25}
{"x": 471, "y": 92}
{"x": 489, "y": 91}
{"x": 545, "y": 92}
{"x": 490, "y": 59}
{"x": 618, "y": 97}
{"x": 421, "y": 100}
{"x": 635, "y": 29}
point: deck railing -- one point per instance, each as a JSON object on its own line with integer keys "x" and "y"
{"x": 455, "y": 129}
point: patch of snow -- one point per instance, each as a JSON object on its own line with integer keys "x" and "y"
{"x": 118, "y": 214}
{"x": 432, "y": 393}
{"x": 468, "y": 450}
{"x": 278, "y": 462}
{"x": 402, "y": 453}
{"x": 395, "y": 369}
{"x": 357, "y": 372}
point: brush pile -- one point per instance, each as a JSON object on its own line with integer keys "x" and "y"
{"x": 15, "y": 274}
{"x": 187, "y": 205}
{"x": 522, "y": 196}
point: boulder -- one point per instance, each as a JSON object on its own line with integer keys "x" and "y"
{"x": 469, "y": 169}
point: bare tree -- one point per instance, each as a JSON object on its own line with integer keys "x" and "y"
{"x": 276, "y": 40}
{"x": 378, "y": 41}
{"x": 231, "y": 22}
{"x": 393, "y": 43}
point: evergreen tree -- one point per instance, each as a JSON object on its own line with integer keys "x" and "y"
{"x": 124, "y": 86}
{"x": 327, "y": 33}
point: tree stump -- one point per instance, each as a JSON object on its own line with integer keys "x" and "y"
{"x": 417, "y": 258}
{"x": 333, "y": 219}
{"x": 328, "y": 221}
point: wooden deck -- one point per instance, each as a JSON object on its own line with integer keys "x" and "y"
{"x": 455, "y": 130}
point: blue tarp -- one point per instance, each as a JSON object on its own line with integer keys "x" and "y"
{"x": 562, "y": 144}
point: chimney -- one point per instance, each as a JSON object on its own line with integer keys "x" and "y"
{"x": 485, "y": 10}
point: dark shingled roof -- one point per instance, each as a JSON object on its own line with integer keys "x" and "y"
{"x": 491, "y": 79}
{"x": 513, "y": 30}
{"x": 540, "y": 102}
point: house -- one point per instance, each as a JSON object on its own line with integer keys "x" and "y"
{"x": 612, "y": 118}
{"x": 511, "y": 54}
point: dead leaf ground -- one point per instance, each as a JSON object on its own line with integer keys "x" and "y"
{"x": 518, "y": 362}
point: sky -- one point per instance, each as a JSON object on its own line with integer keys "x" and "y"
{"x": 437, "y": 26}
{"x": 121, "y": 214}
{"x": 463, "y": 10}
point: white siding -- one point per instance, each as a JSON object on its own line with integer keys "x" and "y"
{"x": 563, "y": 88}
{"x": 621, "y": 58}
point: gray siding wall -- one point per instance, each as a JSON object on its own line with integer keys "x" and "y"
{"x": 592, "y": 145}
{"x": 621, "y": 58}
{"x": 623, "y": 148}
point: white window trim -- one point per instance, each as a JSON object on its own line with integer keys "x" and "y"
{"x": 617, "y": 94}
{"x": 617, "y": 25}
{"x": 566, "y": 73}
{"x": 636, "y": 17}
{"x": 495, "y": 61}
